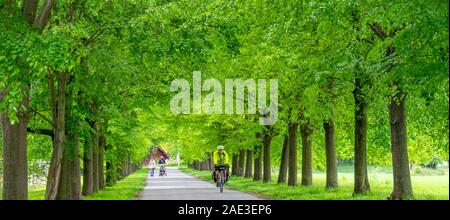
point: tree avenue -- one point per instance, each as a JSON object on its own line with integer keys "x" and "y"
{"x": 290, "y": 88}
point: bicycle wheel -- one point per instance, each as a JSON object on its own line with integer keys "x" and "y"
{"x": 222, "y": 180}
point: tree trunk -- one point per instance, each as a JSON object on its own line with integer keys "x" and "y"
{"x": 15, "y": 169}
{"x": 58, "y": 113}
{"x": 267, "y": 175}
{"x": 197, "y": 163}
{"x": 293, "y": 129}
{"x": 130, "y": 165}
{"x": 307, "y": 167}
{"x": 202, "y": 165}
{"x": 331, "y": 159}
{"x": 110, "y": 174}
{"x": 235, "y": 165}
{"x": 241, "y": 163}
{"x": 76, "y": 170}
{"x": 361, "y": 185}
{"x": 402, "y": 178}
{"x": 248, "y": 164}
{"x": 258, "y": 164}
{"x": 95, "y": 157}
{"x": 284, "y": 161}
{"x": 88, "y": 177}
{"x": 70, "y": 183}
{"x": 211, "y": 162}
{"x": 125, "y": 168}
{"x": 101, "y": 160}
{"x": 65, "y": 180}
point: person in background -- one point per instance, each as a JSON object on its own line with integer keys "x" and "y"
{"x": 152, "y": 167}
{"x": 162, "y": 166}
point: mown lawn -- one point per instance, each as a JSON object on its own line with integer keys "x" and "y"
{"x": 125, "y": 189}
{"x": 433, "y": 187}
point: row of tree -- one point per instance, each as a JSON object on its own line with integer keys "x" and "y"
{"x": 346, "y": 71}
{"x": 84, "y": 72}
{"x": 61, "y": 77}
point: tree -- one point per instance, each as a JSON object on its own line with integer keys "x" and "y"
{"x": 15, "y": 132}
{"x": 293, "y": 130}
{"x": 284, "y": 160}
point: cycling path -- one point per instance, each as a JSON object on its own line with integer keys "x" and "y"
{"x": 181, "y": 186}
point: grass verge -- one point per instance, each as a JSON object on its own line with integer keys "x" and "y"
{"x": 125, "y": 189}
{"x": 424, "y": 187}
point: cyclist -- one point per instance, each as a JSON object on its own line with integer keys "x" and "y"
{"x": 220, "y": 158}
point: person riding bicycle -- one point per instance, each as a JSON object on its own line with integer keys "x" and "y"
{"x": 220, "y": 158}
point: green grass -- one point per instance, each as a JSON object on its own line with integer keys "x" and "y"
{"x": 125, "y": 189}
{"x": 36, "y": 193}
{"x": 425, "y": 187}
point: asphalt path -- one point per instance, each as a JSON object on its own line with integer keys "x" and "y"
{"x": 181, "y": 186}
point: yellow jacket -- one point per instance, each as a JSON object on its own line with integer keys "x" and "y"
{"x": 220, "y": 159}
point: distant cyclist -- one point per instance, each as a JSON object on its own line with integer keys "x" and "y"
{"x": 220, "y": 158}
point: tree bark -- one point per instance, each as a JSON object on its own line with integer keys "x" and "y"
{"x": 258, "y": 164}
{"x": 88, "y": 176}
{"x": 331, "y": 159}
{"x": 206, "y": 164}
{"x": 70, "y": 182}
{"x": 249, "y": 164}
{"x": 95, "y": 157}
{"x": 59, "y": 113}
{"x": 307, "y": 168}
{"x": 130, "y": 165}
{"x": 267, "y": 175}
{"x": 235, "y": 165}
{"x": 197, "y": 165}
{"x": 402, "y": 178}
{"x": 29, "y": 10}
{"x": 70, "y": 179}
{"x": 241, "y": 163}
{"x": 65, "y": 180}
{"x": 76, "y": 169}
{"x": 361, "y": 185}
{"x": 211, "y": 162}
{"x": 15, "y": 169}
{"x": 44, "y": 16}
{"x": 284, "y": 160}
{"x": 293, "y": 129}
{"x": 101, "y": 160}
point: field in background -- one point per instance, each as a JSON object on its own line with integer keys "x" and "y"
{"x": 428, "y": 184}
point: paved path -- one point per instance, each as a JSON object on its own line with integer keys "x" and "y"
{"x": 181, "y": 186}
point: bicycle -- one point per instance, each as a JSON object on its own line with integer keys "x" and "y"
{"x": 221, "y": 177}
